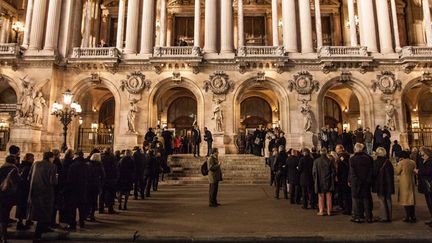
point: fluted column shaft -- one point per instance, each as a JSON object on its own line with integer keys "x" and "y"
{"x": 289, "y": 27}
{"x": 53, "y": 24}
{"x": 4, "y": 30}
{"x": 427, "y": 22}
{"x": 210, "y": 38}
{"x": 162, "y": 29}
{"x": 240, "y": 23}
{"x": 305, "y": 26}
{"x": 87, "y": 25}
{"x": 147, "y": 27}
{"x": 395, "y": 25}
{"x": 227, "y": 38}
{"x": 318, "y": 26}
{"x": 38, "y": 25}
{"x": 385, "y": 34}
{"x": 368, "y": 24}
{"x": 132, "y": 27}
{"x": 275, "y": 23}
{"x": 29, "y": 14}
{"x": 121, "y": 24}
{"x": 197, "y": 22}
{"x": 352, "y": 23}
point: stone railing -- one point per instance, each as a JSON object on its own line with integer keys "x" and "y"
{"x": 95, "y": 53}
{"x": 177, "y": 51}
{"x": 9, "y": 49}
{"x": 417, "y": 51}
{"x": 260, "y": 51}
{"x": 343, "y": 51}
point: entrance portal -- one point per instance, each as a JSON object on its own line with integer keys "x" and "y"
{"x": 8, "y": 101}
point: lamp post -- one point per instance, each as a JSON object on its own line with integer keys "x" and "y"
{"x": 66, "y": 113}
{"x": 17, "y": 27}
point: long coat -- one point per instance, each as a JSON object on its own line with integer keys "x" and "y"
{"x": 292, "y": 172}
{"x": 77, "y": 182}
{"x": 323, "y": 174}
{"x": 305, "y": 169}
{"x": 360, "y": 175}
{"x": 406, "y": 192}
{"x": 424, "y": 175}
{"x": 214, "y": 169}
{"x": 41, "y": 197}
{"x": 126, "y": 168}
{"x": 24, "y": 189}
{"x": 383, "y": 177}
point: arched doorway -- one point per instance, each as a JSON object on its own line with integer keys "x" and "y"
{"x": 254, "y": 112}
{"x": 181, "y": 113}
{"x": 8, "y": 102}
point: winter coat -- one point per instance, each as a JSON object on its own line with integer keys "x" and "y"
{"x": 383, "y": 175}
{"x": 406, "y": 191}
{"x": 96, "y": 175}
{"x": 126, "y": 169}
{"x": 323, "y": 174}
{"x": 424, "y": 176}
{"x": 214, "y": 169}
{"x": 109, "y": 162}
{"x": 368, "y": 137}
{"x": 77, "y": 181}
{"x": 293, "y": 174}
{"x": 343, "y": 171}
{"x": 305, "y": 169}
{"x": 279, "y": 166}
{"x": 23, "y": 189}
{"x": 139, "y": 158}
{"x": 360, "y": 175}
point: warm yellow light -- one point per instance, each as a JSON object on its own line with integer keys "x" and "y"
{"x": 67, "y": 97}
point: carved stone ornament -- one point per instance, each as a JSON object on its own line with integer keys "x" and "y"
{"x": 260, "y": 77}
{"x": 345, "y": 77}
{"x": 219, "y": 83}
{"x": 426, "y": 78}
{"x": 176, "y": 77}
{"x": 31, "y": 106}
{"x": 387, "y": 83}
{"x": 135, "y": 83}
{"x": 95, "y": 79}
{"x": 303, "y": 83}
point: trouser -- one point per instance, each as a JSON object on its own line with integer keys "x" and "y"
{"x": 155, "y": 181}
{"x": 308, "y": 196}
{"x": 92, "y": 201}
{"x": 83, "y": 213}
{"x": 281, "y": 182}
{"x": 138, "y": 186}
{"x": 362, "y": 208}
{"x": 410, "y": 212}
{"x": 108, "y": 196}
{"x": 209, "y": 148}
{"x": 428, "y": 197}
{"x": 196, "y": 149}
{"x": 40, "y": 228}
{"x": 369, "y": 147}
{"x": 272, "y": 177}
{"x": 213, "y": 191}
{"x": 295, "y": 193}
{"x": 347, "y": 201}
{"x": 385, "y": 207}
{"x": 147, "y": 184}
{"x": 3, "y": 231}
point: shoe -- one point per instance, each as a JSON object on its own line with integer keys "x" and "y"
{"x": 413, "y": 220}
{"x": 70, "y": 228}
{"x": 21, "y": 226}
{"x": 357, "y": 220}
{"x": 213, "y": 205}
{"x": 218, "y": 204}
{"x": 384, "y": 221}
{"x": 370, "y": 221}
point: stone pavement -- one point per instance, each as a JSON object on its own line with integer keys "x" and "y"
{"x": 248, "y": 213}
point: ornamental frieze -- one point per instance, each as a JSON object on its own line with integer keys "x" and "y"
{"x": 387, "y": 83}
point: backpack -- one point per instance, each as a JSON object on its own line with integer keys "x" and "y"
{"x": 204, "y": 169}
{"x": 9, "y": 185}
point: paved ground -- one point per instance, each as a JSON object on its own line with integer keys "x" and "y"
{"x": 248, "y": 213}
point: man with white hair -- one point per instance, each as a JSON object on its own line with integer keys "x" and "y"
{"x": 360, "y": 180}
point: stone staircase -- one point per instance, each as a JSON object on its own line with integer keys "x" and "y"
{"x": 236, "y": 169}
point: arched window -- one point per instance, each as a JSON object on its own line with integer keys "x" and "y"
{"x": 255, "y": 111}
{"x": 182, "y": 112}
{"x": 107, "y": 112}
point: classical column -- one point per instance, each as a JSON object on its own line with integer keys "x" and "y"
{"x": 368, "y": 24}
{"x": 384, "y": 29}
{"x": 275, "y": 23}
{"x": 120, "y": 24}
{"x": 395, "y": 25}
{"x": 427, "y": 22}
{"x": 29, "y": 13}
{"x": 87, "y": 25}
{"x": 318, "y": 25}
{"x": 227, "y": 39}
{"x": 169, "y": 30}
{"x": 162, "y": 29}
{"x": 352, "y": 23}
{"x": 289, "y": 27}
{"x": 210, "y": 40}
{"x": 240, "y": 24}
{"x": 38, "y": 25}
{"x": 305, "y": 26}
{"x": 77, "y": 15}
{"x": 147, "y": 27}
{"x": 132, "y": 27}
{"x": 197, "y": 23}
{"x": 3, "y": 30}
{"x": 53, "y": 23}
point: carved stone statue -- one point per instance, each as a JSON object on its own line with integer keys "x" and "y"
{"x": 218, "y": 116}
{"x": 27, "y": 101}
{"x": 39, "y": 104}
{"x": 390, "y": 110}
{"x": 305, "y": 109}
{"x": 133, "y": 109}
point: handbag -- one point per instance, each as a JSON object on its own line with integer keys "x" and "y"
{"x": 428, "y": 186}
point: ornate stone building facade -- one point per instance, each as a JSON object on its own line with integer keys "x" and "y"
{"x": 229, "y": 65}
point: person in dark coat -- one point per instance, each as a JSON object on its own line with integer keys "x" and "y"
{"x": 106, "y": 199}
{"x": 67, "y": 161}
{"x": 7, "y": 197}
{"x": 281, "y": 140}
{"x": 96, "y": 177}
{"x": 58, "y": 190}
{"x": 168, "y": 141}
{"x": 424, "y": 174}
{"x": 360, "y": 179}
{"x": 76, "y": 191}
{"x": 323, "y": 174}
{"x": 386, "y": 144}
{"x": 209, "y": 139}
{"x": 342, "y": 177}
{"x": 214, "y": 177}
{"x": 396, "y": 150}
{"x": 293, "y": 177}
{"x": 157, "y": 169}
{"x": 196, "y": 141}
{"x": 149, "y": 135}
{"x": 378, "y": 137}
{"x": 383, "y": 175}
{"x": 126, "y": 169}
{"x": 306, "y": 179}
{"x": 272, "y": 160}
{"x": 256, "y": 144}
{"x": 23, "y": 192}
{"x": 149, "y": 165}
{"x": 138, "y": 158}
{"x": 41, "y": 196}
{"x": 281, "y": 172}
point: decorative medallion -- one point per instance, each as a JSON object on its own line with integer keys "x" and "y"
{"x": 303, "y": 83}
{"x": 219, "y": 83}
{"x": 387, "y": 83}
{"x": 135, "y": 83}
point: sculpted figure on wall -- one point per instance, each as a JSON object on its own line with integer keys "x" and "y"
{"x": 133, "y": 109}
{"x": 218, "y": 116}
{"x": 390, "y": 111}
{"x": 305, "y": 109}
{"x": 31, "y": 106}
{"x": 39, "y": 104}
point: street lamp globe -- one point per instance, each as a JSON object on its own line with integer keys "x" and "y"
{"x": 67, "y": 97}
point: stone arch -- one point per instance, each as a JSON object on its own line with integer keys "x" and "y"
{"x": 14, "y": 85}
{"x": 270, "y": 84}
{"x": 361, "y": 91}
{"x": 406, "y": 89}
{"x": 166, "y": 84}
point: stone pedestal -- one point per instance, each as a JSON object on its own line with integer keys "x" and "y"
{"x": 218, "y": 142}
{"x": 27, "y": 138}
{"x": 126, "y": 141}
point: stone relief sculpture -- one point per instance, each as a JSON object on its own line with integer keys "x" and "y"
{"x": 39, "y": 104}
{"x": 390, "y": 111}
{"x": 387, "y": 83}
{"x": 218, "y": 116}
{"x": 133, "y": 109}
{"x": 31, "y": 105}
{"x": 305, "y": 109}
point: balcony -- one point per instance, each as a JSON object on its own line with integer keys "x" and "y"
{"x": 260, "y": 51}
{"x": 343, "y": 51}
{"x": 95, "y": 54}
{"x": 416, "y": 52}
{"x": 176, "y": 54}
{"x": 9, "y": 50}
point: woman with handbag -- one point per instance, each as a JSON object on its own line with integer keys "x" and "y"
{"x": 406, "y": 191}
{"x": 424, "y": 173}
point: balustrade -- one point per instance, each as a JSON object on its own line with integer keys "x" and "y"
{"x": 9, "y": 49}
{"x": 260, "y": 51}
{"x": 343, "y": 51}
{"x": 177, "y": 51}
{"x": 95, "y": 53}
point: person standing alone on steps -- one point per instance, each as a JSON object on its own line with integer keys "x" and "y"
{"x": 214, "y": 177}
{"x": 209, "y": 139}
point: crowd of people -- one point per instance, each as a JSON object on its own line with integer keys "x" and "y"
{"x": 53, "y": 190}
{"x": 333, "y": 179}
